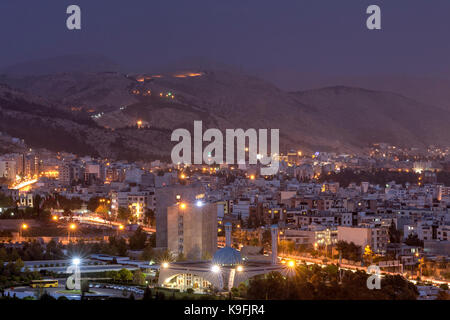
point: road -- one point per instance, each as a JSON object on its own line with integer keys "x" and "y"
{"x": 350, "y": 267}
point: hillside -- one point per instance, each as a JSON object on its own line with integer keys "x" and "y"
{"x": 43, "y": 126}
{"x": 361, "y": 116}
{"x": 100, "y": 111}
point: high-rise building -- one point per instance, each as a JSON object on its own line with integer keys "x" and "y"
{"x": 167, "y": 196}
{"x": 192, "y": 229}
{"x": 8, "y": 168}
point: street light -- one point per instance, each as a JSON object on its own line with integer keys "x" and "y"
{"x": 215, "y": 268}
{"x": 72, "y": 227}
{"x": 291, "y": 263}
{"x": 120, "y": 228}
{"x": 183, "y": 205}
{"x": 55, "y": 218}
{"x": 199, "y": 203}
{"x": 239, "y": 269}
{"x": 23, "y": 226}
{"x": 165, "y": 265}
{"x": 76, "y": 261}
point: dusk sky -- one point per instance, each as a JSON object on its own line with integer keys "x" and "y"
{"x": 321, "y": 37}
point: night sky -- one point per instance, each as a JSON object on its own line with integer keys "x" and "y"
{"x": 270, "y": 38}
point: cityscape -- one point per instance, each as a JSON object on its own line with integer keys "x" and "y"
{"x": 159, "y": 229}
{"x": 178, "y": 156}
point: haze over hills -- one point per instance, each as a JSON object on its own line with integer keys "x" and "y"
{"x": 61, "y": 64}
{"x": 99, "y": 110}
{"x": 430, "y": 90}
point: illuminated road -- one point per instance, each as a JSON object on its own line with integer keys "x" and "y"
{"x": 354, "y": 268}
{"x": 105, "y": 223}
{"x": 24, "y": 184}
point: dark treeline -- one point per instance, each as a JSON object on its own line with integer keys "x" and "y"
{"x": 317, "y": 283}
{"x": 380, "y": 177}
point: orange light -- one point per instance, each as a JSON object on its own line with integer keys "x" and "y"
{"x": 55, "y": 218}
{"x": 291, "y": 264}
{"x": 182, "y": 176}
{"x": 121, "y": 227}
{"x": 183, "y": 205}
{"x": 24, "y": 226}
{"x": 252, "y": 177}
{"x": 73, "y": 226}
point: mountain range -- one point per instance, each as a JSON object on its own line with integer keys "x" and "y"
{"x": 95, "y": 112}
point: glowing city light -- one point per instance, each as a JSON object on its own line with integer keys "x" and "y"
{"x": 165, "y": 265}
{"x": 215, "y": 268}
{"x": 239, "y": 269}
{"x": 199, "y": 203}
{"x": 76, "y": 261}
{"x": 183, "y": 205}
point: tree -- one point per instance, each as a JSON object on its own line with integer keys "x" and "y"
{"x": 413, "y": 240}
{"x": 148, "y": 253}
{"x": 368, "y": 253}
{"x": 394, "y": 234}
{"x": 6, "y": 201}
{"x": 102, "y": 210}
{"x": 165, "y": 256}
{"x": 125, "y": 275}
{"x": 138, "y": 277}
{"x": 349, "y": 251}
{"x": 147, "y": 294}
{"x": 124, "y": 213}
{"x": 138, "y": 239}
{"x": 149, "y": 217}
